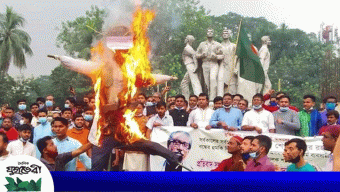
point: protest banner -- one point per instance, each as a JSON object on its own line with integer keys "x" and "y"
{"x": 209, "y": 147}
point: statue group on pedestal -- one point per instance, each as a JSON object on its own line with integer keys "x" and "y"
{"x": 214, "y": 68}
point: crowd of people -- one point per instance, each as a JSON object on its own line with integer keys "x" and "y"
{"x": 58, "y": 136}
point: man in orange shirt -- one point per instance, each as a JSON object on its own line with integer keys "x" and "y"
{"x": 78, "y": 132}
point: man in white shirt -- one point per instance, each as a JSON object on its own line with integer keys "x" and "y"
{"x": 258, "y": 119}
{"x": 22, "y": 146}
{"x": 200, "y": 117}
{"x": 160, "y": 119}
{"x": 3, "y": 147}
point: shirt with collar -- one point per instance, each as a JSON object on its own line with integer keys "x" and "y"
{"x": 68, "y": 145}
{"x": 41, "y": 131}
{"x": 165, "y": 121}
{"x": 290, "y": 122}
{"x": 200, "y": 116}
{"x": 262, "y": 164}
{"x": 233, "y": 118}
{"x": 17, "y": 147}
{"x": 263, "y": 119}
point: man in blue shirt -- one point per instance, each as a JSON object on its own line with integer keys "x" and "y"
{"x": 67, "y": 144}
{"x": 42, "y": 130}
{"x": 228, "y": 117}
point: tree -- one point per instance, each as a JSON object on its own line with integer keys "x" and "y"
{"x": 14, "y": 42}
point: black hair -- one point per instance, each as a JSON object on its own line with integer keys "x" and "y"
{"x": 40, "y": 99}
{"x": 333, "y": 112}
{"x": 21, "y": 100}
{"x": 66, "y": 109}
{"x": 42, "y": 143}
{"x": 28, "y": 116}
{"x": 258, "y": 95}
{"x": 7, "y": 118}
{"x": 24, "y": 127}
{"x": 10, "y": 108}
{"x": 284, "y": 96}
{"x": 205, "y": 95}
{"x": 218, "y": 98}
{"x": 245, "y": 100}
{"x": 160, "y": 104}
{"x": 228, "y": 94}
{"x": 309, "y": 96}
{"x": 331, "y": 97}
{"x": 71, "y": 99}
{"x": 4, "y": 137}
{"x": 251, "y": 138}
{"x": 61, "y": 119}
{"x": 88, "y": 109}
{"x": 171, "y": 104}
{"x": 180, "y": 96}
{"x": 77, "y": 115}
{"x": 300, "y": 144}
{"x": 239, "y": 95}
{"x": 34, "y": 104}
{"x": 193, "y": 96}
{"x": 264, "y": 141}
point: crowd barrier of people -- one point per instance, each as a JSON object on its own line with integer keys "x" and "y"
{"x": 58, "y": 136}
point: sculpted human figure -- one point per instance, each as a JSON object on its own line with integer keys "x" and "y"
{"x": 210, "y": 53}
{"x": 264, "y": 55}
{"x": 227, "y": 73}
{"x": 190, "y": 62}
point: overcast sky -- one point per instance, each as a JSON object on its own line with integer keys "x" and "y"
{"x": 43, "y": 18}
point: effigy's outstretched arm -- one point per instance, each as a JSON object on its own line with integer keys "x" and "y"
{"x": 161, "y": 79}
{"x": 78, "y": 65}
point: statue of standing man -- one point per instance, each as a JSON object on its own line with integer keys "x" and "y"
{"x": 210, "y": 53}
{"x": 227, "y": 73}
{"x": 264, "y": 55}
{"x": 190, "y": 62}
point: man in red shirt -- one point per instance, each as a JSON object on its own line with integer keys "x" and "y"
{"x": 234, "y": 148}
{"x": 9, "y": 130}
{"x": 272, "y": 107}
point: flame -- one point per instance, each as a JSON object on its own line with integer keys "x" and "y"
{"x": 136, "y": 70}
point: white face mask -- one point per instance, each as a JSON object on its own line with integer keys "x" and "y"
{"x": 23, "y": 140}
{"x": 257, "y": 107}
{"x": 22, "y": 122}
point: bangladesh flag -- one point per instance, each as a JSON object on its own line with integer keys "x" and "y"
{"x": 250, "y": 64}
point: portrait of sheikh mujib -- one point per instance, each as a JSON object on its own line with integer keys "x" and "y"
{"x": 180, "y": 143}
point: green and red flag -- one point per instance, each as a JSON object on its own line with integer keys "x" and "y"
{"x": 250, "y": 64}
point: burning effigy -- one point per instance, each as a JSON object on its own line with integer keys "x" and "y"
{"x": 117, "y": 71}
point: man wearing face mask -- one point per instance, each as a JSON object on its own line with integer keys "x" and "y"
{"x": 41, "y": 102}
{"x": 22, "y": 146}
{"x": 228, "y": 117}
{"x": 179, "y": 115}
{"x": 294, "y": 151}
{"x": 286, "y": 120}
{"x": 88, "y": 117}
{"x": 310, "y": 118}
{"x": 42, "y": 130}
{"x": 258, "y": 119}
{"x": 260, "y": 147}
{"x": 18, "y": 115}
{"x": 331, "y": 103}
{"x": 245, "y": 149}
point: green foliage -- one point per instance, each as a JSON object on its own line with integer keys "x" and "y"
{"x": 14, "y": 42}
{"x": 22, "y": 185}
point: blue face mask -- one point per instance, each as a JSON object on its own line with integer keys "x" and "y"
{"x": 148, "y": 103}
{"x": 88, "y": 117}
{"x": 284, "y": 109}
{"x": 273, "y": 103}
{"x": 330, "y": 106}
{"x": 257, "y": 106}
{"x": 22, "y": 107}
{"x": 254, "y": 155}
{"x": 67, "y": 106}
{"x": 42, "y": 120}
{"x": 49, "y": 103}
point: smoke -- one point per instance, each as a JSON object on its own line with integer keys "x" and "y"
{"x": 120, "y": 13}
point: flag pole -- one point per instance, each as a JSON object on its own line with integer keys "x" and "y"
{"x": 234, "y": 63}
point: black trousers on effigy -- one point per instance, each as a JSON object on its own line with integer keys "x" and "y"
{"x": 100, "y": 155}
